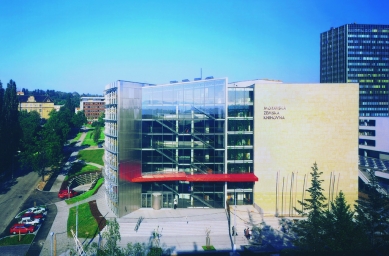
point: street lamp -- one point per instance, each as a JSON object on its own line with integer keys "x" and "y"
{"x": 51, "y": 234}
{"x": 239, "y": 190}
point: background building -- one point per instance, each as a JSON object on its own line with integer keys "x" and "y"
{"x": 207, "y": 143}
{"x": 39, "y": 103}
{"x": 93, "y": 107}
{"x": 359, "y": 53}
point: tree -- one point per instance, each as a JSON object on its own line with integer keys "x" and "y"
{"x": 309, "y": 232}
{"x": 341, "y": 231}
{"x": 48, "y": 151}
{"x": 79, "y": 119}
{"x": 112, "y": 236}
{"x": 30, "y": 125}
{"x": 10, "y": 127}
{"x": 372, "y": 215}
{"x": 96, "y": 134}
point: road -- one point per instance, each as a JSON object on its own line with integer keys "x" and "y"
{"x": 12, "y": 196}
{"x": 20, "y": 195}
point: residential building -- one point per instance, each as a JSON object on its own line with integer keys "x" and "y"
{"x": 359, "y": 53}
{"x": 39, "y": 103}
{"x": 93, "y": 107}
{"x": 210, "y": 143}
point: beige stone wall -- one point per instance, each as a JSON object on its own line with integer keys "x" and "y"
{"x": 317, "y": 123}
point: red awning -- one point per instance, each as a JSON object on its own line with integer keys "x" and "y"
{"x": 241, "y": 177}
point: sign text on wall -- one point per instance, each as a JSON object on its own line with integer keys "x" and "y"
{"x": 273, "y": 112}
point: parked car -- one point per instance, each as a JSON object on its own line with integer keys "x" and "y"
{"x": 30, "y": 221}
{"x": 22, "y": 228}
{"x": 34, "y": 216}
{"x": 63, "y": 194}
{"x": 37, "y": 210}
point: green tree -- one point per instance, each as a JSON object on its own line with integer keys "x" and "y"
{"x": 10, "y": 127}
{"x": 30, "y": 125}
{"x": 372, "y": 215}
{"x": 309, "y": 232}
{"x": 341, "y": 234}
{"x": 48, "y": 152}
{"x": 79, "y": 119}
{"x": 112, "y": 237}
{"x": 96, "y": 134}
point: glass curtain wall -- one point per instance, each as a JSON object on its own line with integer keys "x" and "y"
{"x": 183, "y": 127}
{"x": 240, "y": 138}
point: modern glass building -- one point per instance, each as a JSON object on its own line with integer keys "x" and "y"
{"x": 358, "y": 53}
{"x": 183, "y": 140}
{"x": 209, "y": 143}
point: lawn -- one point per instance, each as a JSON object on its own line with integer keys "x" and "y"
{"x": 87, "y": 224}
{"x": 78, "y": 136}
{"x": 14, "y": 240}
{"x": 88, "y": 141}
{"x": 80, "y": 168}
{"x": 92, "y": 156}
{"x": 86, "y": 194}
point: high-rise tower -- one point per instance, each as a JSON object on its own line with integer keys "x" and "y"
{"x": 358, "y": 53}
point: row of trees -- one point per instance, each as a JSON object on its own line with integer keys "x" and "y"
{"x": 23, "y": 134}
{"x": 59, "y": 98}
{"x": 10, "y": 130}
{"x": 335, "y": 228}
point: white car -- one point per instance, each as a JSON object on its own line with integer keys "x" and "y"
{"x": 37, "y": 210}
{"x": 30, "y": 221}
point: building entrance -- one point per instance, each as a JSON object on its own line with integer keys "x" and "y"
{"x": 167, "y": 200}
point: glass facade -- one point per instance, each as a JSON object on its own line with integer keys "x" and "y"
{"x": 358, "y": 53}
{"x": 193, "y": 129}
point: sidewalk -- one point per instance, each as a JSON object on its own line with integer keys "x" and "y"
{"x": 59, "y": 227}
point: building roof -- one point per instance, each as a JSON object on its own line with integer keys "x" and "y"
{"x": 36, "y": 98}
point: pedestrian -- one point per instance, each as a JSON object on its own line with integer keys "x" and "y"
{"x": 186, "y": 217}
{"x": 233, "y": 231}
{"x": 175, "y": 203}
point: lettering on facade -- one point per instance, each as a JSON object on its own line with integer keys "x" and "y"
{"x": 273, "y": 112}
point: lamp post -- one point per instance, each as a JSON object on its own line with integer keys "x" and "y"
{"x": 51, "y": 234}
{"x": 234, "y": 249}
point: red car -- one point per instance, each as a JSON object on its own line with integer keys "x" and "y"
{"x": 34, "y": 215}
{"x": 22, "y": 229}
{"x": 63, "y": 194}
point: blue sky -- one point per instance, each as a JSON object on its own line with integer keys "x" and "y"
{"x": 83, "y": 45}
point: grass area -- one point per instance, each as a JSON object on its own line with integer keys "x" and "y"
{"x": 92, "y": 156}
{"x": 80, "y": 168}
{"x": 86, "y": 194}
{"x": 208, "y": 248}
{"x": 88, "y": 141}
{"x": 14, "y": 240}
{"x": 87, "y": 224}
{"x": 78, "y": 136}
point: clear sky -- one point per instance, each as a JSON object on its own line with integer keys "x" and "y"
{"x": 83, "y": 45}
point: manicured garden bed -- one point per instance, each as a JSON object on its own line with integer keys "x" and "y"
{"x": 87, "y": 193}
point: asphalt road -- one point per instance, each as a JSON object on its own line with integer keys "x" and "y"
{"x": 13, "y": 194}
{"x": 19, "y": 195}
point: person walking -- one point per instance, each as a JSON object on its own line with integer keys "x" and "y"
{"x": 175, "y": 203}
